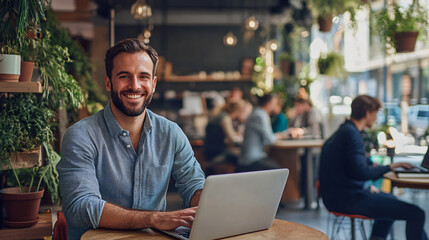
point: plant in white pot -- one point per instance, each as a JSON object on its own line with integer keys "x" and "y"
{"x": 18, "y": 17}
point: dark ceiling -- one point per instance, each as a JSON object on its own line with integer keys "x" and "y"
{"x": 271, "y": 6}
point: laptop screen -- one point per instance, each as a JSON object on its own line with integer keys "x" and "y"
{"x": 425, "y": 162}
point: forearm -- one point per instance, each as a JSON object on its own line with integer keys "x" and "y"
{"x": 116, "y": 217}
{"x": 196, "y": 198}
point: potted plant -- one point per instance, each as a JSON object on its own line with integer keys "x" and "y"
{"x": 399, "y": 27}
{"x": 25, "y": 124}
{"x": 17, "y": 18}
{"x": 324, "y": 10}
{"x": 331, "y": 64}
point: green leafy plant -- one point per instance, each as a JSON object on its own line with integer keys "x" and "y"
{"x": 394, "y": 19}
{"x": 17, "y": 17}
{"x": 25, "y": 124}
{"x": 79, "y": 66}
{"x": 331, "y": 64}
{"x": 329, "y": 8}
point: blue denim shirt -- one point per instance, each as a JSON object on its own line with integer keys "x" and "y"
{"x": 100, "y": 165}
{"x": 257, "y": 134}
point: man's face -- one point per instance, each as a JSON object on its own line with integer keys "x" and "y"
{"x": 370, "y": 118}
{"x": 132, "y": 84}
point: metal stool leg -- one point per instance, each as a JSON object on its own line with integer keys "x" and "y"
{"x": 352, "y": 222}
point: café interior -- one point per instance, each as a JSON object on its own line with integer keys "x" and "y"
{"x": 324, "y": 53}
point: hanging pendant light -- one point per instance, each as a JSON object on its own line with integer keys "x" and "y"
{"x": 251, "y": 23}
{"x": 141, "y": 10}
{"x": 230, "y": 39}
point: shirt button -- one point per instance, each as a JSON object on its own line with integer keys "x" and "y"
{"x": 125, "y": 134}
{"x": 128, "y": 146}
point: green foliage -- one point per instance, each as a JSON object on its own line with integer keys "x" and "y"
{"x": 45, "y": 176}
{"x": 398, "y": 19}
{"x": 285, "y": 56}
{"x": 326, "y": 8}
{"x": 25, "y": 123}
{"x": 17, "y": 17}
{"x": 80, "y": 66}
{"x": 331, "y": 64}
{"x": 59, "y": 87}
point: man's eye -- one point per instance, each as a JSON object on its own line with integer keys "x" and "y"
{"x": 123, "y": 76}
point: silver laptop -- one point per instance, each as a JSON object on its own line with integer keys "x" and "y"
{"x": 233, "y": 204}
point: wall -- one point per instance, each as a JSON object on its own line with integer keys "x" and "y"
{"x": 192, "y": 49}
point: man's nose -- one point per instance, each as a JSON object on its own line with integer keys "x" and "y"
{"x": 134, "y": 83}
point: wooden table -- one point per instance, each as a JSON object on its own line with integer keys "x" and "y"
{"x": 285, "y": 152}
{"x": 42, "y": 229}
{"x": 421, "y": 183}
{"x": 280, "y": 230}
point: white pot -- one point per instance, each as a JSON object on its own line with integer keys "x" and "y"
{"x": 10, "y": 67}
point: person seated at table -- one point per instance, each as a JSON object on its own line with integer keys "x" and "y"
{"x": 257, "y": 135}
{"x": 279, "y": 123}
{"x": 305, "y": 119}
{"x": 221, "y": 143}
{"x": 344, "y": 168}
{"x": 116, "y": 165}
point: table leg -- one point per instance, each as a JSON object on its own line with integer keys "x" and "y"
{"x": 309, "y": 188}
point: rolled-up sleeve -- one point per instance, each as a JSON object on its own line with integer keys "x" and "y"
{"x": 82, "y": 203}
{"x": 186, "y": 169}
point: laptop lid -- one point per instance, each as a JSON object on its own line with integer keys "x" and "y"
{"x": 238, "y": 203}
{"x": 425, "y": 162}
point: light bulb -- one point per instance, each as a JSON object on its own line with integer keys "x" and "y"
{"x": 251, "y": 23}
{"x": 141, "y": 10}
{"x": 229, "y": 39}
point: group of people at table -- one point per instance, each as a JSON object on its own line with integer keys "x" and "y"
{"x": 116, "y": 165}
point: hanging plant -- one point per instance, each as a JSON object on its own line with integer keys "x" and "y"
{"x": 331, "y": 64}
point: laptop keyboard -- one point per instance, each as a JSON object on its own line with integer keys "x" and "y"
{"x": 186, "y": 234}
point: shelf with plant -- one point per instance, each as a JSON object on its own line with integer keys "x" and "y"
{"x": 19, "y": 19}
{"x": 399, "y": 27}
{"x": 324, "y": 10}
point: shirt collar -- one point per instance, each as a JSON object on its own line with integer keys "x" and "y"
{"x": 116, "y": 129}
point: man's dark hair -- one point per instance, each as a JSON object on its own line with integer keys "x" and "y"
{"x": 363, "y": 104}
{"x": 265, "y": 99}
{"x": 130, "y": 45}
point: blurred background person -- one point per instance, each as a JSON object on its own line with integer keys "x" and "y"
{"x": 305, "y": 120}
{"x": 222, "y": 141}
{"x": 258, "y": 134}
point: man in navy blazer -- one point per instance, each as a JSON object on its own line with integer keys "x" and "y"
{"x": 344, "y": 168}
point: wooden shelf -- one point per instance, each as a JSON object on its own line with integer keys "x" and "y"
{"x": 21, "y": 87}
{"x": 26, "y": 159}
{"x": 42, "y": 229}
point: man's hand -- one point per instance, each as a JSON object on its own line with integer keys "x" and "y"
{"x": 374, "y": 189}
{"x": 295, "y": 132}
{"x": 172, "y": 220}
{"x": 401, "y": 165}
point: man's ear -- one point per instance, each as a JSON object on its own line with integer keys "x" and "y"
{"x": 108, "y": 83}
{"x": 155, "y": 80}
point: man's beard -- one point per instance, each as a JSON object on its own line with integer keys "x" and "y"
{"x": 132, "y": 112}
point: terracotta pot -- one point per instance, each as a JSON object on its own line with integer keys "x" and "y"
{"x": 21, "y": 208}
{"x": 10, "y": 67}
{"x": 26, "y": 71}
{"x": 325, "y": 23}
{"x": 405, "y": 41}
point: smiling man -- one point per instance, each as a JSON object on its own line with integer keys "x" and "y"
{"x": 116, "y": 165}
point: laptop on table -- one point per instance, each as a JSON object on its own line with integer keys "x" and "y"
{"x": 233, "y": 204}
{"x": 419, "y": 171}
